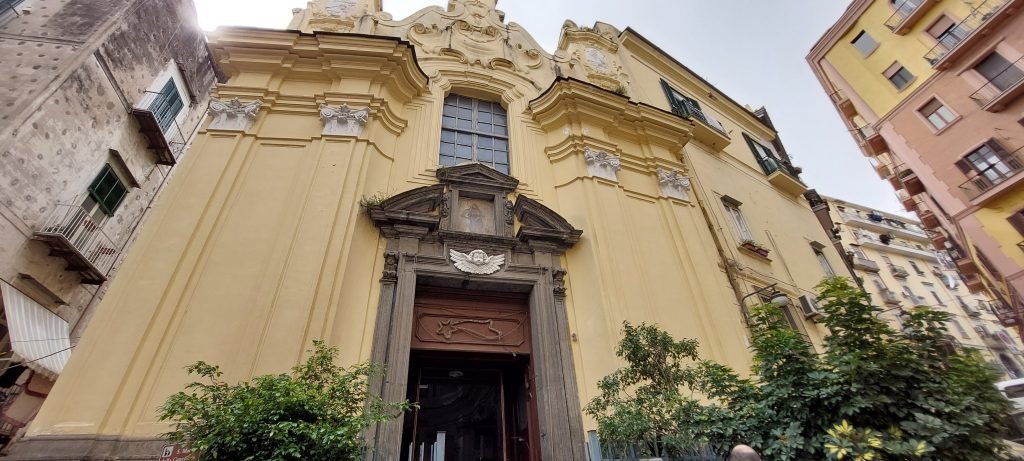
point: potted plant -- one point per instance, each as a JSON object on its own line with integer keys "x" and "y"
{"x": 755, "y": 247}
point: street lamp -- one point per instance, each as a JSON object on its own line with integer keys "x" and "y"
{"x": 776, "y": 299}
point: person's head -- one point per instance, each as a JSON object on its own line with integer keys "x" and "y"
{"x": 743, "y": 453}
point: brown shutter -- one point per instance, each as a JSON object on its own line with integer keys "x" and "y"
{"x": 1017, "y": 221}
{"x": 941, "y": 25}
{"x": 963, "y": 165}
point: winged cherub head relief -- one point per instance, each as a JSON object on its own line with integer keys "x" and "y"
{"x": 476, "y": 262}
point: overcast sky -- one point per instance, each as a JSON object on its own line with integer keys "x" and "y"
{"x": 753, "y": 50}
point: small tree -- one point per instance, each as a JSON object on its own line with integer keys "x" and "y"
{"x": 319, "y": 411}
{"x": 872, "y": 393}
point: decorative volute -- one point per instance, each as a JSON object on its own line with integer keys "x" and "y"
{"x": 591, "y": 54}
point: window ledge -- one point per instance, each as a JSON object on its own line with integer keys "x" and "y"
{"x": 753, "y": 253}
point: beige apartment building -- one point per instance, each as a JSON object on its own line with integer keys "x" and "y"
{"x": 930, "y": 89}
{"x": 893, "y": 257}
{"x": 97, "y": 104}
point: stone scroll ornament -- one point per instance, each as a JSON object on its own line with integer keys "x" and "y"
{"x": 476, "y": 262}
{"x": 602, "y": 164}
{"x": 342, "y": 120}
{"x": 674, "y": 184}
{"x": 233, "y": 114}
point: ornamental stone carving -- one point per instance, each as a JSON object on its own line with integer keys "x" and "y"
{"x": 342, "y": 120}
{"x": 602, "y": 164}
{"x": 476, "y": 262}
{"x": 234, "y": 114}
{"x": 674, "y": 184}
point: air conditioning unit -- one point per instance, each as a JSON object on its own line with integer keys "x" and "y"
{"x": 809, "y": 306}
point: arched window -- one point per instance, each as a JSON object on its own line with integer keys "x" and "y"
{"x": 474, "y": 131}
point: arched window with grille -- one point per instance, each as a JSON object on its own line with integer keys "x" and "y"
{"x": 473, "y": 130}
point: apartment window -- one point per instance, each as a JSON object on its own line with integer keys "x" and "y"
{"x": 823, "y": 261}
{"x": 167, "y": 105}
{"x": 937, "y": 114}
{"x": 992, "y": 163}
{"x": 899, "y": 76}
{"x": 473, "y": 130}
{"x": 739, "y": 225}
{"x": 105, "y": 193}
{"x": 946, "y": 32}
{"x": 1017, "y": 221}
{"x": 864, "y": 43}
{"x": 999, "y": 71}
{"x": 764, "y": 155}
{"x": 960, "y": 329}
{"x": 886, "y": 259}
{"x": 938, "y": 300}
{"x": 858, "y": 252}
{"x": 766, "y": 298}
{"x": 918, "y": 270}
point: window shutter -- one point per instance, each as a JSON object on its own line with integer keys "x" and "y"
{"x": 1017, "y": 221}
{"x": 671, "y": 98}
{"x": 940, "y": 26}
{"x": 963, "y": 165}
{"x": 107, "y": 190}
{"x": 167, "y": 105}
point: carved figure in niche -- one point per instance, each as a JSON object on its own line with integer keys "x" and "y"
{"x": 476, "y": 262}
{"x": 475, "y": 216}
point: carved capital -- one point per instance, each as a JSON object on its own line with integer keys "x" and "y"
{"x": 342, "y": 120}
{"x": 602, "y": 164}
{"x": 674, "y": 184}
{"x": 233, "y": 114}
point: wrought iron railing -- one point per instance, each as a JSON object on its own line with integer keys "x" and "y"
{"x": 1009, "y": 165}
{"x": 964, "y": 29}
{"x": 770, "y": 165}
{"x": 76, "y": 226}
{"x": 903, "y": 11}
{"x": 685, "y": 108}
{"x": 887, "y": 223}
{"x": 1005, "y": 80}
{"x": 838, "y": 96}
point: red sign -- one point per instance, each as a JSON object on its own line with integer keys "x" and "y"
{"x": 176, "y": 452}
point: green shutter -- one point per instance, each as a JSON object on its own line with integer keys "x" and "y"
{"x": 107, "y": 190}
{"x": 167, "y": 105}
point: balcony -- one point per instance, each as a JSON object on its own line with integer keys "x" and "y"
{"x": 974, "y": 283}
{"x": 73, "y": 236}
{"x": 907, "y": 179}
{"x": 865, "y": 264}
{"x": 895, "y": 246}
{"x": 1008, "y": 167}
{"x": 907, "y": 200}
{"x": 906, "y": 15}
{"x": 870, "y": 140}
{"x": 1002, "y": 89}
{"x": 709, "y": 131}
{"x": 880, "y": 224}
{"x": 844, "y": 103}
{"x": 938, "y": 240}
{"x": 782, "y": 176}
{"x": 956, "y": 39}
{"x": 928, "y": 218}
{"x": 888, "y": 297}
{"x": 898, "y": 271}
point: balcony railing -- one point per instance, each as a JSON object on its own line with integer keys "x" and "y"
{"x": 72, "y": 234}
{"x": 1006, "y": 82}
{"x": 865, "y": 264}
{"x": 1008, "y": 166}
{"x": 771, "y": 165}
{"x": 685, "y": 108}
{"x": 904, "y": 10}
{"x": 888, "y": 296}
{"x": 898, "y": 271}
{"x": 885, "y": 225}
{"x": 963, "y": 30}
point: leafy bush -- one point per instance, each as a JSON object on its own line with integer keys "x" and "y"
{"x": 319, "y": 411}
{"x": 872, "y": 393}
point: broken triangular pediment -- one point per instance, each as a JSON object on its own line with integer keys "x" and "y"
{"x": 540, "y": 223}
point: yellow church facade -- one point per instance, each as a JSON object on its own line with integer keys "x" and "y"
{"x": 440, "y": 195}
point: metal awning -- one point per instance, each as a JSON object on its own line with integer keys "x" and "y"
{"x": 40, "y": 339}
